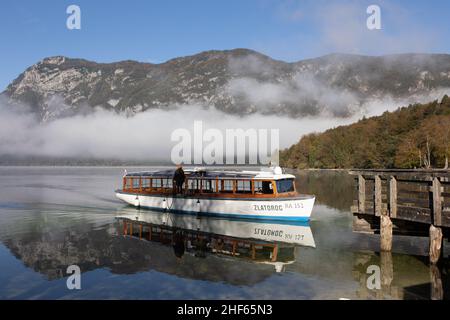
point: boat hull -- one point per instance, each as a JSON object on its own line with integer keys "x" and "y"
{"x": 282, "y": 209}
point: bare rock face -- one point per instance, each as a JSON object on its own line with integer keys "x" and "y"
{"x": 236, "y": 81}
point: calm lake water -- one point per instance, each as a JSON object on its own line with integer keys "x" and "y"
{"x": 51, "y": 218}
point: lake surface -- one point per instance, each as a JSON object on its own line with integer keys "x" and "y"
{"x": 54, "y": 217}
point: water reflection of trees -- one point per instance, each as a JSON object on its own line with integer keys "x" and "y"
{"x": 50, "y": 251}
{"x": 333, "y": 188}
{"x": 401, "y": 276}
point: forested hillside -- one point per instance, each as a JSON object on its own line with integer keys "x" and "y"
{"x": 411, "y": 137}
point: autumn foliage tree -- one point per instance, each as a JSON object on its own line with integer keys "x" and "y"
{"x": 411, "y": 137}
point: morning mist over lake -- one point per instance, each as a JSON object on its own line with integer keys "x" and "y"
{"x": 224, "y": 158}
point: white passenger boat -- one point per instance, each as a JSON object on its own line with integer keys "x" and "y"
{"x": 266, "y": 194}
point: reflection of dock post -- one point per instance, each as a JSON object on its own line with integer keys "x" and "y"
{"x": 387, "y": 269}
{"x": 275, "y": 253}
{"x": 437, "y": 292}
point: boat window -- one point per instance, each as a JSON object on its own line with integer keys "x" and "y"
{"x": 128, "y": 184}
{"x": 267, "y": 187}
{"x": 195, "y": 184}
{"x": 156, "y": 183}
{"x": 167, "y": 183}
{"x": 243, "y": 186}
{"x": 258, "y": 186}
{"x": 285, "y": 185}
{"x": 136, "y": 182}
{"x": 145, "y": 183}
{"x": 207, "y": 185}
{"x": 227, "y": 186}
{"x": 214, "y": 186}
{"x": 192, "y": 184}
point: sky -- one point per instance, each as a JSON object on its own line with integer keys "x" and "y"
{"x": 156, "y": 31}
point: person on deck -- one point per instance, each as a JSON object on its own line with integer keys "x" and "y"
{"x": 178, "y": 179}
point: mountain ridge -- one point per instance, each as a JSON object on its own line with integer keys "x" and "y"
{"x": 238, "y": 81}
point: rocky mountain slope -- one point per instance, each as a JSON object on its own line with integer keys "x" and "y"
{"x": 236, "y": 81}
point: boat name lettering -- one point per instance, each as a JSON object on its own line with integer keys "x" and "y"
{"x": 268, "y": 232}
{"x": 268, "y": 207}
{"x": 295, "y": 205}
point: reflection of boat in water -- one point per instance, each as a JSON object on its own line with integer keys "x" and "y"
{"x": 269, "y": 195}
{"x": 269, "y": 243}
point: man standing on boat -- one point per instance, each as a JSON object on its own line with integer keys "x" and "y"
{"x": 178, "y": 179}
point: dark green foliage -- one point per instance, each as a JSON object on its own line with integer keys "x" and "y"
{"x": 410, "y": 137}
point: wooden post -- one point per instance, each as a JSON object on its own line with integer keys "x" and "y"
{"x": 435, "y": 244}
{"x": 437, "y": 202}
{"x": 140, "y": 231}
{"x": 377, "y": 195}
{"x": 361, "y": 194}
{"x": 125, "y": 228}
{"x": 385, "y": 233}
{"x": 393, "y": 197}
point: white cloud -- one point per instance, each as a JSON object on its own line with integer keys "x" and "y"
{"x": 327, "y": 26}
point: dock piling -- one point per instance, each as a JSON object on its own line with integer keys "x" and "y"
{"x": 435, "y": 244}
{"x": 385, "y": 233}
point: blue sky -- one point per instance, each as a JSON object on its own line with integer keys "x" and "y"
{"x": 155, "y": 31}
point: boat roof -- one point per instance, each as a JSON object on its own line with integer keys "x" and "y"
{"x": 263, "y": 174}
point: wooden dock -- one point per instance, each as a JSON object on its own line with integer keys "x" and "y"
{"x": 403, "y": 202}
